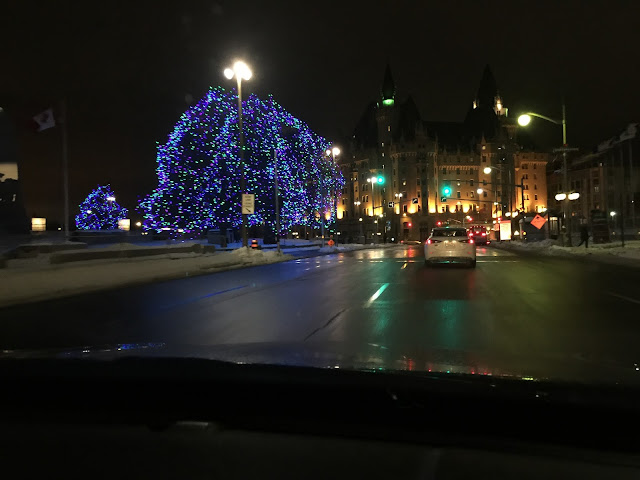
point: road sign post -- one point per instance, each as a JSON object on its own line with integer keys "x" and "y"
{"x": 248, "y": 203}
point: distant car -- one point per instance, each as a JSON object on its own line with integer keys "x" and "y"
{"x": 479, "y": 235}
{"x": 450, "y": 245}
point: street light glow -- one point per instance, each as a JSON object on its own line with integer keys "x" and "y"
{"x": 613, "y": 214}
{"x": 240, "y": 70}
{"x": 524, "y": 120}
{"x": 479, "y": 191}
{"x": 111, "y": 199}
{"x": 561, "y": 196}
{"x": 335, "y": 151}
{"x": 487, "y": 170}
{"x": 574, "y": 196}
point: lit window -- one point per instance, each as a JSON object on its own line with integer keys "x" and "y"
{"x": 388, "y": 128}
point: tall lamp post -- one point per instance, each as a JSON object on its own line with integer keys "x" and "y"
{"x": 333, "y": 153}
{"x": 357, "y": 203}
{"x": 241, "y": 71}
{"x": 524, "y": 120}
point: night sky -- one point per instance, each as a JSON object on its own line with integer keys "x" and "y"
{"x": 129, "y": 69}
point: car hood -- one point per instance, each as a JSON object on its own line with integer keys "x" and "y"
{"x": 371, "y": 357}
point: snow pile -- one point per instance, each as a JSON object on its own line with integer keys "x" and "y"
{"x": 631, "y": 250}
{"x": 250, "y": 256}
{"x": 23, "y": 282}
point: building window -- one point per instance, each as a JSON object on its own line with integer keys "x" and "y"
{"x": 457, "y": 171}
{"x": 459, "y": 196}
{"x": 383, "y": 154}
{"x": 444, "y": 171}
{"x": 418, "y": 193}
{"x": 388, "y": 128}
{"x": 534, "y": 165}
{"x": 471, "y": 183}
{"x": 344, "y": 201}
{"x": 526, "y": 197}
{"x": 484, "y": 194}
{"x": 382, "y": 144}
{"x": 470, "y": 194}
{"x": 417, "y": 181}
{"x": 526, "y": 176}
{"x": 596, "y": 188}
{"x": 535, "y": 187}
{"x": 535, "y": 177}
{"x": 394, "y": 171}
{"x": 394, "y": 184}
{"x": 535, "y": 197}
{"x": 404, "y": 181}
{"x": 525, "y": 166}
{"x": 404, "y": 209}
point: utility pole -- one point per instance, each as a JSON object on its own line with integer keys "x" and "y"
{"x": 65, "y": 165}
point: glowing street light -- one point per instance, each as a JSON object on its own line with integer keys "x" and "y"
{"x": 560, "y": 196}
{"x": 111, "y": 198}
{"x": 524, "y": 120}
{"x": 487, "y": 170}
{"x": 574, "y": 196}
{"x": 613, "y": 214}
{"x": 479, "y": 191}
{"x": 335, "y": 151}
{"x": 241, "y": 71}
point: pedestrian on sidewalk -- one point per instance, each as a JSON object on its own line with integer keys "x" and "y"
{"x": 584, "y": 236}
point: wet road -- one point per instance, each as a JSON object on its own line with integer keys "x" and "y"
{"x": 540, "y": 310}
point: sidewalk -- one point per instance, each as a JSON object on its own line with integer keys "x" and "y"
{"x": 613, "y": 253}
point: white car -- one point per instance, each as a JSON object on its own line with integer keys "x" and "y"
{"x": 450, "y": 245}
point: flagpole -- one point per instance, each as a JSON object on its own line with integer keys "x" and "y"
{"x": 65, "y": 165}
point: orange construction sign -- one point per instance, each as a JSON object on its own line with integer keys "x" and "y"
{"x": 538, "y": 221}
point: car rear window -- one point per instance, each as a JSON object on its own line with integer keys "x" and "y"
{"x": 449, "y": 232}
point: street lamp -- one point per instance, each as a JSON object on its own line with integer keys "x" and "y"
{"x": 479, "y": 191}
{"x": 524, "y": 120}
{"x": 561, "y": 196}
{"x": 241, "y": 71}
{"x": 613, "y": 214}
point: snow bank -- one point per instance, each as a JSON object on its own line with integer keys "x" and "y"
{"x": 631, "y": 250}
{"x": 23, "y": 281}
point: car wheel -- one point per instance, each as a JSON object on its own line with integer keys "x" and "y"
{"x": 472, "y": 264}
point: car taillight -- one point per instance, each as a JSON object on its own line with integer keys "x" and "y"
{"x": 428, "y": 241}
{"x": 466, "y": 240}
{"x": 484, "y": 234}
{"x": 471, "y": 240}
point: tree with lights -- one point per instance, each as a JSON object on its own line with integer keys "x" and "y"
{"x": 99, "y": 211}
{"x": 199, "y": 169}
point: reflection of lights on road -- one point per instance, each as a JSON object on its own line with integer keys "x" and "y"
{"x": 377, "y": 294}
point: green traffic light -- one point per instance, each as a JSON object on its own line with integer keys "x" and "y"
{"x": 446, "y": 191}
{"x": 380, "y": 180}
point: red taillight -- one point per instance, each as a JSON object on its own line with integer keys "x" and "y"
{"x": 471, "y": 240}
{"x": 428, "y": 241}
{"x": 484, "y": 234}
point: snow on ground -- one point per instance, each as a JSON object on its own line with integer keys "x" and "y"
{"x": 604, "y": 251}
{"x": 35, "y": 280}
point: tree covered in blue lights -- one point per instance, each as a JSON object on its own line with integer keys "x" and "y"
{"x": 199, "y": 169}
{"x": 100, "y": 211}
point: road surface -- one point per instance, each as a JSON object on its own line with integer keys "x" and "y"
{"x": 544, "y": 311}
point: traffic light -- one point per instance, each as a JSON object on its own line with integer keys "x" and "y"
{"x": 380, "y": 179}
{"x": 446, "y": 191}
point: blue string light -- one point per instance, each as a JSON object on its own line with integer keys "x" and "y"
{"x": 99, "y": 211}
{"x": 199, "y": 171}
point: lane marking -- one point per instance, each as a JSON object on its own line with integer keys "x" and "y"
{"x": 632, "y": 300}
{"x": 375, "y": 296}
{"x": 195, "y": 299}
{"x": 404, "y": 266}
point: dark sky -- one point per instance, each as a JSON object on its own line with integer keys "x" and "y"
{"x": 130, "y": 68}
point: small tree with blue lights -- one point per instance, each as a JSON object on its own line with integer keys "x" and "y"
{"x": 100, "y": 211}
{"x": 199, "y": 169}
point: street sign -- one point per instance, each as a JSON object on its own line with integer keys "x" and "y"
{"x": 443, "y": 199}
{"x": 390, "y": 204}
{"x": 248, "y": 203}
{"x": 414, "y": 200}
{"x": 538, "y": 221}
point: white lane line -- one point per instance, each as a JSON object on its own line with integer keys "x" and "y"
{"x": 632, "y": 300}
{"x": 375, "y": 296}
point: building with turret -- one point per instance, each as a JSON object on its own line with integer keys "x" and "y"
{"x": 405, "y": 174}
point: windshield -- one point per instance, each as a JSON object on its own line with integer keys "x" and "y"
{"x": 259, "y": 182}
{"x": 449, "y": 232}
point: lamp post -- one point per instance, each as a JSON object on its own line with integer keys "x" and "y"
{"x": 333, "y": 153}
{"x": 524, "y": 120}
{"x": 241, "y": 71}
{"x": 357, "y": 203}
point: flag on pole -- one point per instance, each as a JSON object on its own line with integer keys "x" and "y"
{"x": 45, "y": 120}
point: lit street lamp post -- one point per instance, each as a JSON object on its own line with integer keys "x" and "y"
{"x": 332, "y": 152}
{"x": 357, "y": 203}
{"x": 241, "y": 71}
{"x": 524, "y": 120}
